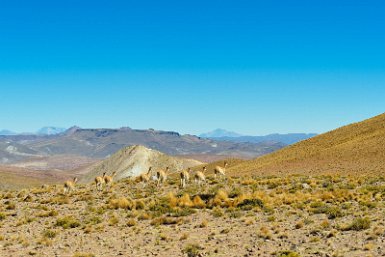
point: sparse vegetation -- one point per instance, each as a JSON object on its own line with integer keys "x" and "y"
{"x": 67, "y": 222}
{"x": 269, "y": 209}
{"x": 359, "y": 224}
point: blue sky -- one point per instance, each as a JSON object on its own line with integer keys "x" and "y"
{"x": 255, "y": 67}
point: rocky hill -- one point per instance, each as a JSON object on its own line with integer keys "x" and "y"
{"x": 135, "y": 160}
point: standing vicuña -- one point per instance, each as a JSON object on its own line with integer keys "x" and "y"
{"x": 99, "y": 181}
{"x": 162, "y": 176}
{"x": 109, "y": 179}
{"x": 184, "y": 177}
{"x": 69, "y": 185}
{"x": 200, "y": 176}
{"x": 145, "y": 178}
{"x": 218, "y": 170}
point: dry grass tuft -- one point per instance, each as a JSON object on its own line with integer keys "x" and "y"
{"x": 121, "y": 203}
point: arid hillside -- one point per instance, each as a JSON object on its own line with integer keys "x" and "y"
{"x": 13, "y": 178}
{"x": 358, "y": 148}
{"x": 135, "y": 160}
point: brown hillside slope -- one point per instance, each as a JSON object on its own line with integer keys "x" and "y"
{"x": 16, "y": 178}
{"x": 135, "y": 160}
{"x": 358, "y": 148}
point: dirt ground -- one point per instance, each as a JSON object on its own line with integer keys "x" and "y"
{"x": 255, "y": 216}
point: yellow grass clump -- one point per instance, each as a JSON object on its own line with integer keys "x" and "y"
{"x": 198, "y": 202}
{"x": 121, "y": 203}
{"x": 185, "y": 201}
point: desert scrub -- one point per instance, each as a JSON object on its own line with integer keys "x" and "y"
{"x": 49, "y": 234}
{"x": 2, "y": 216}
{"x": 159, "y": 207}
{"x": 173, "y": 200}
{"x": 94, "y": 220}
{"x": 368, "y": 204}
{"x": 166, "y": 221}
{"x": 184, "y": 237}
{"x": 198, "y": 202}
{"x": 264, "y": 233}
{"x": 299, "y": 224}
{"x": 113, "y": 220}
{"x": 8, "y": 195}
{"x": 121, "y": 203}
{"x": 235, "y": 192}
{"x": 331, "y": 211}
{"x": 25, "y": 220}
{"x": 50, "y": 213}
{"x": 325, "y": 224}
{"x": 144, "y": 216}
{"x": 181, "y": 212}
{"x": 192, "y": 250}
{"x": 234, "y": 213}
{"x": 10, "y": 205}
{"x": 221, "y": 199}
{"x": 185, "y": 201}
{"x": 217, "y": 212}
{"x": 131, "y": 222}
{"x": 140, "y": 205}
{"x": 60, "y": 200}
{"x": 358, "y": 224}
{"x": 249, "y": 204}
{"x": 67, "y": 222}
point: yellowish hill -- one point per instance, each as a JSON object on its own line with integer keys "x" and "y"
{"x": 135, "y": 160}
{"x": 358, "y": 148}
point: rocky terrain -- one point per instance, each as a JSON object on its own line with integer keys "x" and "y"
{"x": 240, "y": 216}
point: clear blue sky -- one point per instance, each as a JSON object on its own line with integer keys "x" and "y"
{"x": 254, "y": 67}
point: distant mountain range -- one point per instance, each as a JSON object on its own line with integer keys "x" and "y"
{"x": 42, "y": 131}
{"x": 101, "y": 143}
{"x": 220, "y": 133}
{"x": 6, "y": 132}
{"x": 50, "y": 131}
{"x": 288, "y": 139}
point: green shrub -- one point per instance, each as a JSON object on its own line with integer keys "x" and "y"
{"x": 67, "y": 222}
{"x": 49, "y": 234}
{"x": 359, "y": 224}
{"x": 251, "y": 203}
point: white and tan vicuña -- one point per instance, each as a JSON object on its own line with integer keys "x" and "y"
{"x": 69, "y": 185}
{"x": 161, "y": 175}
{"x": 200, "y": 176}
{"x": 109, "y": 179}
{"x": 218, "y": 170}
{"x": 145, "y": 177}
{"x": 184, "y": 177}
{"x": 99, "y": 182}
